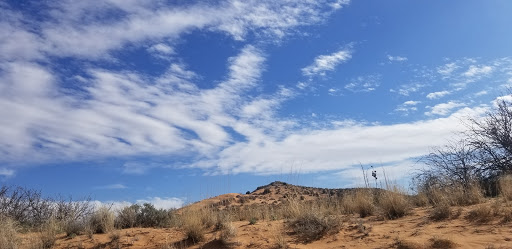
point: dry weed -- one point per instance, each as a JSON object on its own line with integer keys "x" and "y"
{"x": 8, "y": 233}
{"x": 480, "y": 214}
{"x": 102, "y": 221}
{"x": 394, "y": 203}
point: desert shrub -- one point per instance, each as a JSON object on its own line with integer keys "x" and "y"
{"x": 102, "y": 220}
{"x": 227, "y": 233}
{"x": 360, "y": 202}
{"x": 312, "y": 226}
{"x": 193, "y": 227}
{"x": 126, "y": 217}
{"x": 253, "y": 221}
{"x": 74, "y": 227}
{"x": 394, "y": 204}
{"x": 402, "y": 244}
{"x": 480, "y": 214}
{"x": 441, "y": 243}
{"x": 440, "y": 211}
{"x": 505, "y": 187}
{"x": 8, "y": 233}
{"x": 48, "y": 233}
{"x": 149, "y": 216}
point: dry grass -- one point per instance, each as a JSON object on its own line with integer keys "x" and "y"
{"x": 360, "y": 202}
{"x": 193, "y": 227}
{"x": 228, "y": 234}
{"x": 394, "y": 203}
{"x": 402, "y": 244}
{"x": 313, "y": 226}
{"x": 102, "y": 221}
{"x": 49, "y": 232}
{"x": 8, "y": 233}
{"x": 440, "y": 211}
{"x": 505, "y": 187}
{"x": 481, "y": 214}
{"x": 441, "y": 243}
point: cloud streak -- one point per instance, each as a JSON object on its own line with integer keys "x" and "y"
{"x": 325, "y": 63}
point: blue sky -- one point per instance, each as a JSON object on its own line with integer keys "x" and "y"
{"x": 173, "y": 101}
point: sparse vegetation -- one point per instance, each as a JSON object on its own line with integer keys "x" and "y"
{"x": 312, "y": 226}
{"x": 102, "y": 220}
{"x": 8, "y": 233}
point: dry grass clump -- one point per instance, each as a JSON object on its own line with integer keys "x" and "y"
{"x": 360, "y": 202}
{"x": 8, "y": 233}
{"x": 440, "y": 211}
{"x": 505, "y": 187}
{"x": 193, "y": 227}
{"x": 228, "y": 233}
{"x": 441, "y": 243}
{"x": 480, "y": 214}
{"x": 313, "y": 226}
{"x": 394, "y": 203}
{"x": 49, "y": 232}
{"x": 403, "y": 244}
{"x": 102, "y": 220}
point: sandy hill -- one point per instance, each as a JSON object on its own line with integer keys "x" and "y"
{"x": 272, "y": 216}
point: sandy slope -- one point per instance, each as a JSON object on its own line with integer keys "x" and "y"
{"x": 370, "y": 232}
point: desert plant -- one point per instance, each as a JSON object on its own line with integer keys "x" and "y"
{"x": 440, "y": 211}
{"x": 393, "y": 203}
{"x": 227, "y": 233}
{"x": 441, "y": 243}
{"x": 480, "y": 214}
{"x": 312, "y": 226}
{"x": 193, "y": 227}
{"x": 102, "y": 220}
{"x": 48, "y": 233}
{"x": 73, "y": 228}
{"x": 8, "y": 233}
{"x": 126, "y": 217}
{"x": 505, "y": 187}
{"x": 360, "y": 202}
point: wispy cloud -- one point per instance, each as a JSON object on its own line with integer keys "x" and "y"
{"x": 112, "y": 186}
{"x": 6, "y": 172}
{"x": 407, "y": 89}
{"x": 407, "y": 106}
{"x": 320, "y": 150}
{"x": 325, "y": 63}
{"x": 444, "y": 109}
{"x": 397, "y": 58}
{"x": 364, "y": 83}
{"x": 474, "y": 71}
{"x": 437, "y": 95}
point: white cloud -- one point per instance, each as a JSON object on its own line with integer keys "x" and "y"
{"x": 364, "y": 83}
{"x": 325, "y": 63}
{"x": 407, "y": 106}
{"x": 481, "y": 93}
{"x": 444, "y": 109}
{"x": 165, "y": 203}
{"x": 397, "y": 58}
{"x": 436, "y": 95}
{"x": 73, "y": 29}
{"x": 112, "y": 186}
{"x": 339, "y": 148}
{"x": 157, "y": 202}
{"x": 474, "y": 71}
{"x": 6, "y": 172}
{"x": 122, "y": 113}
{"x": 407, "y": 89}
{"x": 447, "y": 69}
{"x": 411, "y": 102}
